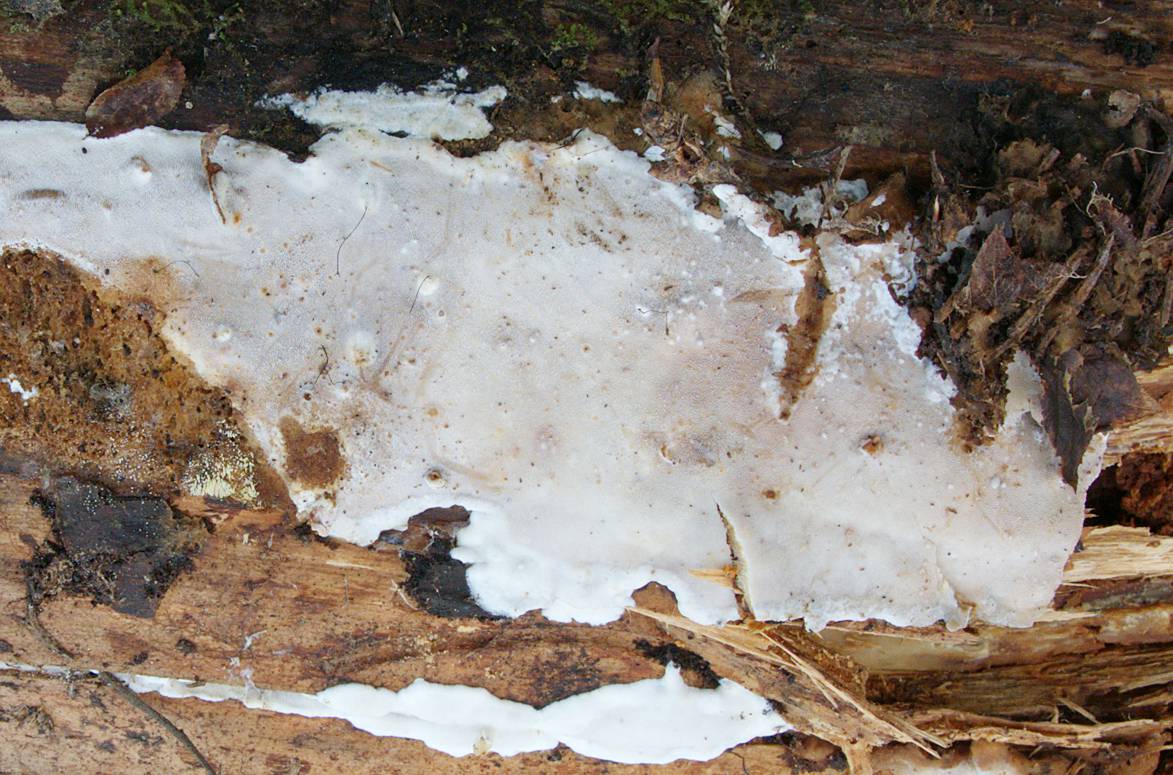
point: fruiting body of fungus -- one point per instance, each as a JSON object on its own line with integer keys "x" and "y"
{"x": 557, "y": 341}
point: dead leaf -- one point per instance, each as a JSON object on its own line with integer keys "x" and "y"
{"x": 1122, "y": 106}
{"x": 1023, "y": 158}
{"x": 139, "y": 100}
{"x": 1106, "y": 384}
{"x": 997, "y": 275}
{"x": 1086, "y": 390}
{"x": 208, "y": 145}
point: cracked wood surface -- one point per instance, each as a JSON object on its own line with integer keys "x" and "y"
{"x": 53, "y": 725}
{"x": 302, "y": 614}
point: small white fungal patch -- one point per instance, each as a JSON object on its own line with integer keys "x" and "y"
{"x": 725, "y": 127}
{"x": 808, "y": 207}
{"x": 772, "y": 139}
{"x": 653, "y": 721}
{"x": 436, "y": 111}
{"x": 535, "y": 334}
{"x": 584, "y": 91}
{"x": 26, "y": 394}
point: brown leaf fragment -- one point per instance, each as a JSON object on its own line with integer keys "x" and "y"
{"x": 1023, "y": 159}
{"x": 139, "y": 100}
{"x": 1122, "y": 107}
{"x": 208, "y": 145}
{"x": 996, "y": 277}
{"x": 885, "y": 210}
{"x": 1106, "y": 384}
{"x": 814, "y": 306}
{"x": 1086, "y": 390}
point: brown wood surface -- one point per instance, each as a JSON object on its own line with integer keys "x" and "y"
{"x": 54, "y": 725}
{"x": 895, "y": 79}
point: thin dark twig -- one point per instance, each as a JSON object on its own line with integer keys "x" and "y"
{"x": 324, "y": 369}
{"x": 182, "y": 261}
{"x": 128, "y": 694}
{"x": 418, "y": 288}
{"x": 33, "y": 619}
{"x": 338, "y": 253}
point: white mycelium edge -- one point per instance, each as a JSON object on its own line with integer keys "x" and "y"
{"x": 584, "y": 91}
{"x": 556, "y": 340}
{"x": 653, "y": 721}
{"x": 438, "y": 110}
{"x": 14, "y": 386}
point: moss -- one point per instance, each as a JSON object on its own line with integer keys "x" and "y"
{"x": 632, "y": 16}
{"x": 573, "y": 36}
{"x": 160, "y": 15}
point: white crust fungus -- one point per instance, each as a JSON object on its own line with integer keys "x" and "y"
{"x": 557, "y": 341}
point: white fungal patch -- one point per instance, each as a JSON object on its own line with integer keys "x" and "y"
{"x": 772, "y": 139}
{"x": 437, "y": 110}
{"x": 25, "y": 394}
{"x": 584, "y": 91}
{"x": 557, "y": 341}
{"x": 654, "y": 721}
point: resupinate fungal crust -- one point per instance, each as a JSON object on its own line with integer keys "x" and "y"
{"x": 556, "y": 340}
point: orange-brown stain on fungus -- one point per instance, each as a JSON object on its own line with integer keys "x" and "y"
{"x": 814, "y": 307}
{"x": 313, "y": 457}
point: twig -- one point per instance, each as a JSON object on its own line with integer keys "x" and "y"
{"x": 407, "y": 601}
{"x": 1082, "y": 293}
{"x": 832, "y": 191}
{"x": 128, "y": 694}
{"x": 338, "y": 253}
{"x": 33, "y": 619}
{"x": 1136, "y": 149}
{"x": 182, "y": 261}
{"x": 1032, "y": 315}
{"x": 1167, "y": 304}
{"x": 1159, "y": 177}
{"x": 744, "y": 610}
{"x": 418, "y": 288}
{"x": 1072, "y": 705}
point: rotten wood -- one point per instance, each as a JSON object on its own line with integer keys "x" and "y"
{"x": 287, "y": 610}
{"x": 896, "y": 80}
{"x": 78, "y": 724}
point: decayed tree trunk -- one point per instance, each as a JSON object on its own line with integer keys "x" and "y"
{"x": 915, "y": 97}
